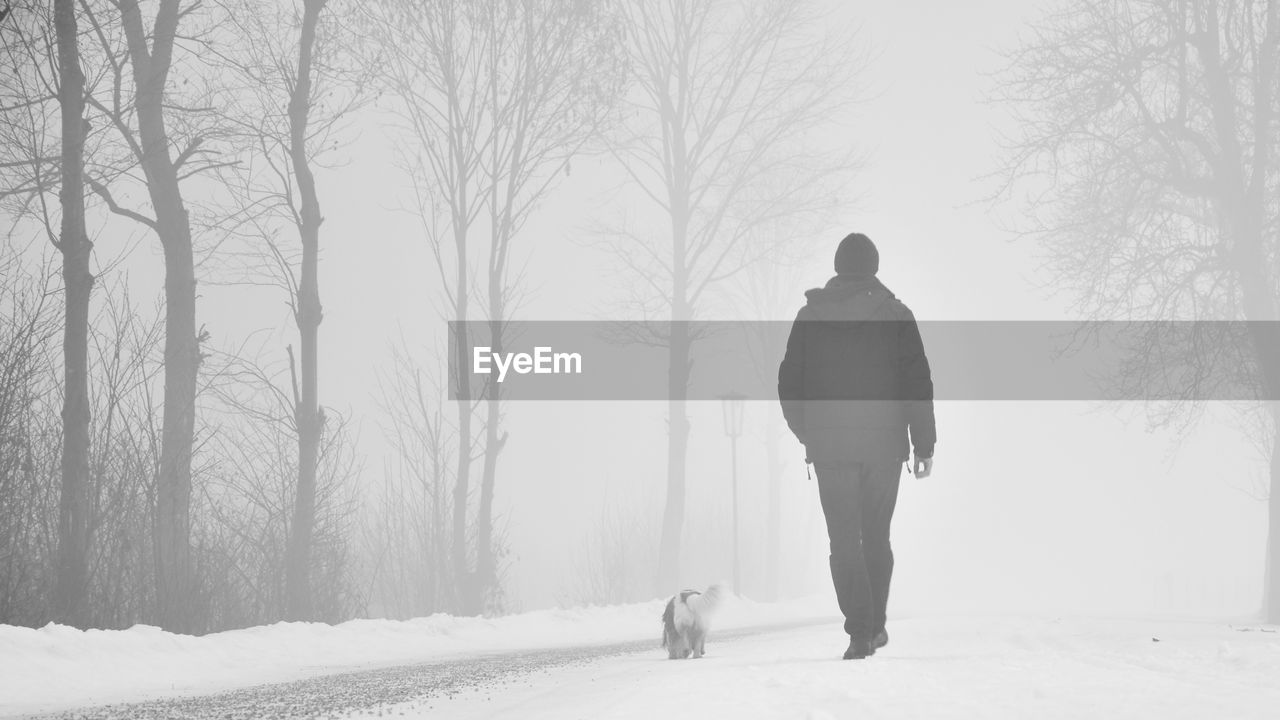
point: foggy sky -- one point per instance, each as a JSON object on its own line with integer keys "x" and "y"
{"x": 1060, "y": 506}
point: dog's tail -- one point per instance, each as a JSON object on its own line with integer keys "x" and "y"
{"x": 706, "y": 603}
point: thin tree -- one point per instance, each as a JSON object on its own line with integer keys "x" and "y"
{"x": 29, "y": 326}
{"x": 290, "y": 93}
{"x": 1148, "y": 150}
{"x": 496, "y": 96}
{"x": 44, "y": 53}
{"x": 725, "y": 94}
{"x": 552, "y": 75}
{"x": 409, "y": 539}
{"x": 71, "y": 594}
{"x": 139, "y": 102}
{"x": 310, "y": 418}
{"x": 435, "y": 51}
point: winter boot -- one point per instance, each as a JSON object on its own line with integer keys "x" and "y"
{"x": 881, "y": 639}
{"x": 859, "y": 649}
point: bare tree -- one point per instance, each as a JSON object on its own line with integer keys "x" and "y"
{"x": 248, "y": 502}
{"x": 119, "y": 591}
{"x": 43, "y": 50}
{"x": 435, "y": 50}
{"x": 1148, "y": 148}
{"x": 123, "y": 344}
{"x": 552, "y": 75}
{"x": 725, "y": 93}
{"x": 310, "y": 418}
{"x": 71, "y": 595}
{"x": 139, "y": 102}
{"x": 408, "y": 539}
{"x": 28, "y": 327}
{"x": 497, "y": 96}
{"x": 287, "y": 95}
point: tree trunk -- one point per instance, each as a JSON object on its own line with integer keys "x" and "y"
{"x": 463, "y": 580}
{"x": 1271, "y": 573}
{"x": 1261, "y": 316}
{"x": 677, "y": 375}
{"x": 1261, "y": 300}
{"x": 500, "y": 238}
{"x": 72, "y": 590}
{"x": 174, "y": 581}
{"x": 309, "y": 419}
{"x": 486, "y": 564}
{"x": 677, "y": 451}
{"x": 1244, "y": 204}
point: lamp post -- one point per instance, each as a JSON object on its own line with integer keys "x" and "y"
{"x": 731, "y": 412}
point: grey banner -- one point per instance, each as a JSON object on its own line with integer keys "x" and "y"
{"x": 970, "y": 360}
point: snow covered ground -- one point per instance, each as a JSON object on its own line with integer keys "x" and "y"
{"x": 58, "y": 667}
{"x": 934, "y": 667}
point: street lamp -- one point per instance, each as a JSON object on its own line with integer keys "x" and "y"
{"x": 731, "y": 412}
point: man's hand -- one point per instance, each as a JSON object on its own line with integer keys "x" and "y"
{"x": 923, "y": 466}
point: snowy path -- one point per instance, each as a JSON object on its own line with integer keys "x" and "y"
{"x": 961, "y": 668}
{"x": 336, "y": 695}
{"x": 419, "y": 684}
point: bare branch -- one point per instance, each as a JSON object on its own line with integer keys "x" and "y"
{"x": 101, "y": 191}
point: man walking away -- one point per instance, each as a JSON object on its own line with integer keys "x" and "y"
{"x": 855, "y": 386}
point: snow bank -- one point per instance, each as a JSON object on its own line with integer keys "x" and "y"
{"x": 57, "y": 667}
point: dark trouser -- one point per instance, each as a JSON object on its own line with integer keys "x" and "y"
{"x": 858, "y": 501}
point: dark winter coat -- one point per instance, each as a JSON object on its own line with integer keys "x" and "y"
{"x": 855, "y": 379}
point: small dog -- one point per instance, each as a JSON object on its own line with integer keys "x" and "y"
{"x": 686, "y": 621}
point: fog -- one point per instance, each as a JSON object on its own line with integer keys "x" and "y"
{"x": 1073, "y": 507}
{"x": 1034, "y": 506}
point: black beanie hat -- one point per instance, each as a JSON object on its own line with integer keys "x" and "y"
{"x": 857, "y": 255}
